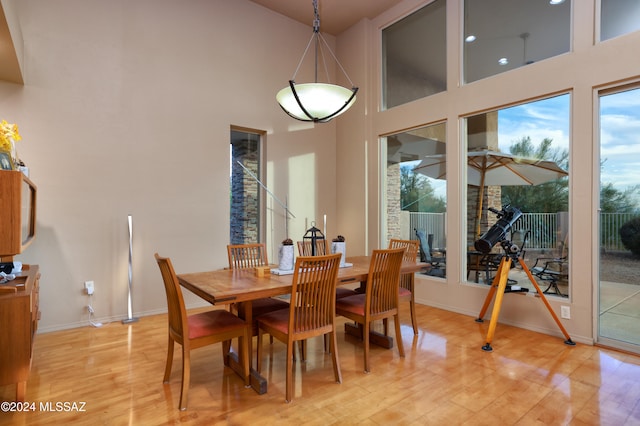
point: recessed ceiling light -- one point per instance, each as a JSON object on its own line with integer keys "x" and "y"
{"x": 470, "y": 38}
{"x": 503, "y": 61}
{"x": 556, "y": 1}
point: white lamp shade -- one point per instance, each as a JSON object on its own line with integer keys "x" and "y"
{"x": 321, "y": 100}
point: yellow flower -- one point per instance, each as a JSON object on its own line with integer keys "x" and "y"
{"x": 7, "y": 133}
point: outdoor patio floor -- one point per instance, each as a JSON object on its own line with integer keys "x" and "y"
{"x": 620, "y": 311}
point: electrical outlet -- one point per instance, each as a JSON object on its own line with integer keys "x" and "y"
{"x": 565, "y": 312}
{"x": 88, "y": 285}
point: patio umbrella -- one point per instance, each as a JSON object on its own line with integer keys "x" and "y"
{"x": 491, "y": 168}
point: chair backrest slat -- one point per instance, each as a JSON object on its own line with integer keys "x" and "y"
{"x": 313, "y": 292}
{"x": 410, "y": 255}
{"x": 383, "y": 281}
{"x": 411, "y": 248}
{"x": 322, "y": 248}
{"x": 246, "y": 256}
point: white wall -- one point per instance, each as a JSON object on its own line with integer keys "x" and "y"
{"x": 126, "y": 109}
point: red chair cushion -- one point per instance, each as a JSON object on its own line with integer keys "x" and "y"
{"x": 403, "y": 292}
{"x": 354, "y": 304}
{"x": 207, "y": 323}
{"x": 276, "y": 319}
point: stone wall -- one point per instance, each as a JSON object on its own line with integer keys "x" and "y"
{"x": 245, "y": 199}
{"x": 393, "y": 202}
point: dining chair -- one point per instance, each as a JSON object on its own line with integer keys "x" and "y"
{"x": 197, "y": 330}
{"x": 245, "y": 256}
{"x": 322, "y": 248}
{"x": 311, "y": 312}
{"x": 248, "y": 256}
{"x": 380, "y": 299}
{"x": 407, "y": 281}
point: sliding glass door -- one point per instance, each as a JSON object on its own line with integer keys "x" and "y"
{"x": 619, "y": 222}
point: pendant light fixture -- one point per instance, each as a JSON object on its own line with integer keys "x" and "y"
{"x": 317, "y": 102}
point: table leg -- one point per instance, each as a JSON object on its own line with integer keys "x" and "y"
{"x": 258, "y": 383}
{"x": 374, "y": 336}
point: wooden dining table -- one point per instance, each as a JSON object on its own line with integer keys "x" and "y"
{"x": 227, "y": 286}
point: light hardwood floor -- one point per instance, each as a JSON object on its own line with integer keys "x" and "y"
{"x": 446, "y": 378}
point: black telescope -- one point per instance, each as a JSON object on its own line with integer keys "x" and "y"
{"x": 497, "y": 233}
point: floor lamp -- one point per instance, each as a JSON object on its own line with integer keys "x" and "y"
{"x": 130, "y": 318}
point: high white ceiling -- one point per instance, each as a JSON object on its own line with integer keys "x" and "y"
{"x": 338, "y": 15}
{"x": 335, "y": 15}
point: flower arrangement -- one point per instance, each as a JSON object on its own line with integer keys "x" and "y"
{"x": 8, "y": 135}
{"x": 339, "y": 239}
{"x": 287, "y": 242}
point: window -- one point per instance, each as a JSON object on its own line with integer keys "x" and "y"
{"x": 619, "y": 250}
{"x": 536, "y": 130}
{"x": 414, "y": 56}
{"x": 415, "y": 199}
{"x": 245, "y": 215}
{"x": 501, "y": 35}
{"x": 618, "y": 17}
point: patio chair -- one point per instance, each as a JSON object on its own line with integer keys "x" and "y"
{"x": 428, "y": 255}
{"x": 485, "y": 263}
{"x": 553, "y": 270}
{"x": 488, "y": 263}
{"x": 520, "y": 237}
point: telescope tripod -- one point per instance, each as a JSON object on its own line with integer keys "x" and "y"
{"x": 499, "y": 288}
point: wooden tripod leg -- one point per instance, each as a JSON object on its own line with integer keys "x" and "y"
{"x": 546, "y": 302}
{"x": 503, "y": 274}
{"x": 489, "y": 298}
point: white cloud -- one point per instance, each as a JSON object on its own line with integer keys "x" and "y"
{"x": 620, "y": 139}
{"x": 619, "y": 131}
{"x": 547, "y": 118}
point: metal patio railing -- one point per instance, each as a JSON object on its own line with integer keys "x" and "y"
{"x": 546, "y": 228}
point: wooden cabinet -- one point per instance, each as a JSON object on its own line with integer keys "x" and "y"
{"x": 19, "y": 315}
{"x": 18, "y": 213}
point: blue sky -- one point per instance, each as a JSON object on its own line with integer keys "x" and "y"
{"x": 620, "y": 138}
{"x": 538, "y": 120}
{"x": 550, "y": 118}
{"x": 619, "y": 131}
